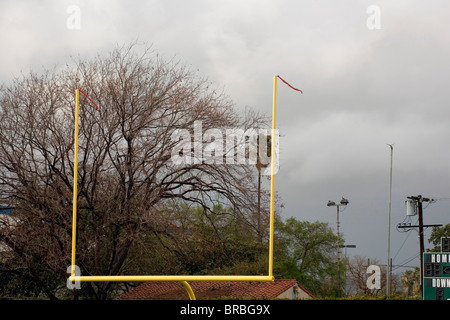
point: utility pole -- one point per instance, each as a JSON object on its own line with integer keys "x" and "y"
{"x": 422, "y": 247}
{"x": 420, "y": 200}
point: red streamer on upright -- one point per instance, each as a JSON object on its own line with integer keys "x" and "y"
{"x": 290, "y": 85}
{"x": 96, "y": 106}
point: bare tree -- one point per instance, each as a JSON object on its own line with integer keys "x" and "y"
{"x": 125, "y": 170}
{"x": 357, "y": 276}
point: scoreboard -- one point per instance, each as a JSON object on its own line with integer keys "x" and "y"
{"x": 436, "y": 274}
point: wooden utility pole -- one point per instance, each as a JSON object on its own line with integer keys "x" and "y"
{"x": 420, "y": 200}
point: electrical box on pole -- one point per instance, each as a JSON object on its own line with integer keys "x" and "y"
{"x": 411, "y": 207}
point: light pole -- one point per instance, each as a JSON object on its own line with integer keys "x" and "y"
{"x": 388, "y": 273}
{"x": 330, "y": 203}
{"x": 346, "y": 261}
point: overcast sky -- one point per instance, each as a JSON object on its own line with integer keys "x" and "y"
{"x": 372, "y": 73}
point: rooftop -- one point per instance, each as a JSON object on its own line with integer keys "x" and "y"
{"x": 162, "y": 290}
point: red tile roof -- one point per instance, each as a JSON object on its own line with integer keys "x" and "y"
{"x": 161, "y": 290}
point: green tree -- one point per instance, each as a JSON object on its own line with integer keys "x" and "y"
{"x": 307, "y": 251}
{"x": 411, "y": 281}
{"x": 437, "y": 234}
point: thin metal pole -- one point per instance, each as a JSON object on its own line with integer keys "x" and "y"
{"x": 388, "y": 269}
{"x": 338, "y": 255}
{"x": 344, "y": 202}
{"x": 272, "y": 175}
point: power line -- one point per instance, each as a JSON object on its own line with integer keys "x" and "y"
{"x": 403, "y": 264}
{"x": 398, "y": 251}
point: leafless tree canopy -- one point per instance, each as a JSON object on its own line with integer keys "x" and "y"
{"x": 125, "y": 172}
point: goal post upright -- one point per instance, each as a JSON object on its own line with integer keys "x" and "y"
{"x": 75, "y": 183}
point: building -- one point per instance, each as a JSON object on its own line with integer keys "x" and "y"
{"x": 168, "y": 290}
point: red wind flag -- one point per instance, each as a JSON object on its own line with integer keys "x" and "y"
{"x": 96, "y": 106}
{"x": 290, "y": 85}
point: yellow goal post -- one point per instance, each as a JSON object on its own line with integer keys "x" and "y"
{"x": 74, "y": 278}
